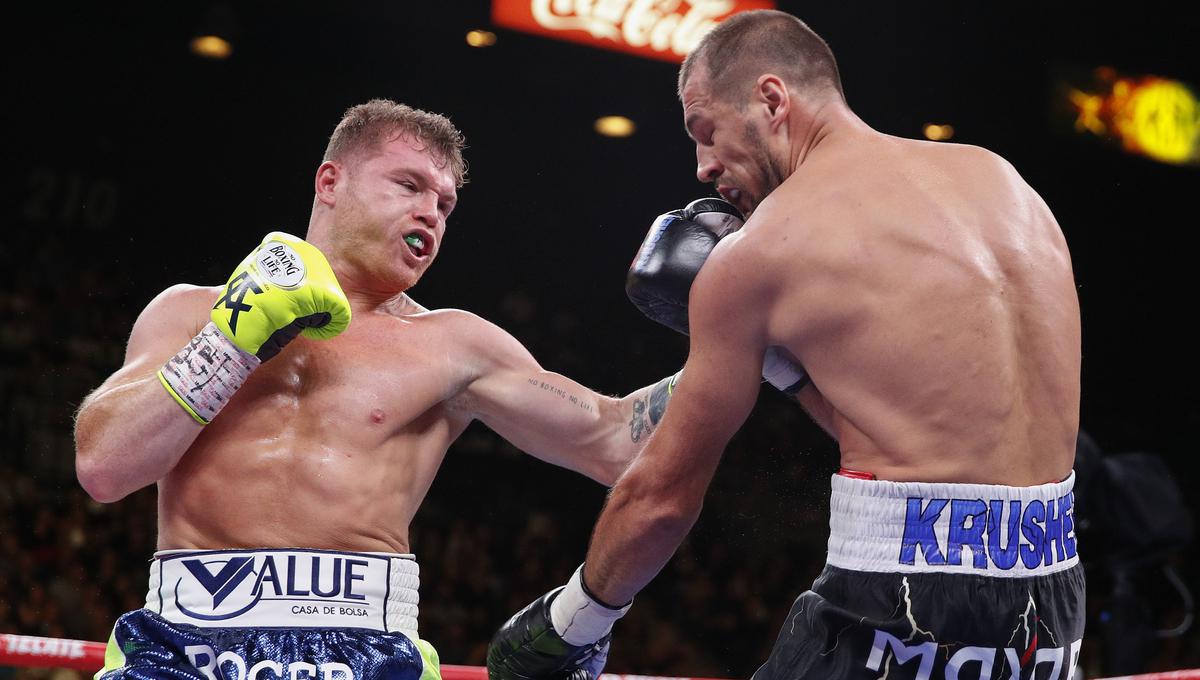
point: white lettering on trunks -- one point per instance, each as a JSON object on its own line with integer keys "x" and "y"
{"x": 983, "y": 658}
{"x": 213, "y": 666}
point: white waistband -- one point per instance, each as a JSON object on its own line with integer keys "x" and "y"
{"x": 985, "y": 529}
{"x": 290, "y": 588}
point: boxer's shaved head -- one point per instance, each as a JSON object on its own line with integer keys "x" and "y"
{"x": 749, "y": 44}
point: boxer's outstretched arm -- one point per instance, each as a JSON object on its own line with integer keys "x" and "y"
{"x": 551, "y": 416}
{"x": 657, "y": 501}
{"x": 129, "y": 432}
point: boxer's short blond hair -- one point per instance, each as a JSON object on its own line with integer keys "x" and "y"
{"x": 367, "y": 127}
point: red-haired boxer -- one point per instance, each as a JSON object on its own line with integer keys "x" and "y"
{"x": 283, "y": 519}
{"x": 928, "y": 291}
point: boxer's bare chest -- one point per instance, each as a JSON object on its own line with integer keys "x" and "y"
{"x": 381, "y": 380}
{"x": 328, "y": 437}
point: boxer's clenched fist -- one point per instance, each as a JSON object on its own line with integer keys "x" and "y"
{"x": 282, "y": 289}
{"x": 660, "y": 279}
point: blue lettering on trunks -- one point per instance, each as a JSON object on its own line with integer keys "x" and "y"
{"x": 998, "y": 533}
{"x": 918, "y": 532}
{"x": 237, "y": 583}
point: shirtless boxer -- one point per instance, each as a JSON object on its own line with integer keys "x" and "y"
{"x": 283, "y": 521}
{"x": 928, "y": 291}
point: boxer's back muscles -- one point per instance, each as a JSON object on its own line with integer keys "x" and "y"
{"x": 929, "y": 292}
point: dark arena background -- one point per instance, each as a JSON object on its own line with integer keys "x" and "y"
{"x": 133, "y": 162}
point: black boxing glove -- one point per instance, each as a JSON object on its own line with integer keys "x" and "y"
{"x": 664, "y": 268}
{"x": 535, "y": 644}
{"x": 671, "y": 256}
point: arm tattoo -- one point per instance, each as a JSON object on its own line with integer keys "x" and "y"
{"x": 582, "y": 403}
{"x": 637, "y": 425}
{"x": 648, "y": 410}
{"x": 659, "y": 395}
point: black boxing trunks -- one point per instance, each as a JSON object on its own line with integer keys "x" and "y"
{"x": 930, "y": 581}
{"x": 274, "y": 614}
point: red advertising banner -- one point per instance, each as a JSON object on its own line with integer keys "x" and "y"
{"x": 659, "y": 29}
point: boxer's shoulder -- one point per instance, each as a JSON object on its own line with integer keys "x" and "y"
{"x": 794, "y": 231}
{"x": 803, "y": 215}
{"x": 466, "y": 325}
{"x": 468, "y": 338}
{"x": 184, "y": 297}
{"x": 406, "y": 315}
{"x": 181, "y": 306}
{"x": 165, "y": 324}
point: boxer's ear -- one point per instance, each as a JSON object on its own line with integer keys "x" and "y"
{"x": 771, "y": 93}
{"x": 329, "y": 175}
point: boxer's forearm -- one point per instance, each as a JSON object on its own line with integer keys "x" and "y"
{"x": 630, "y": 422}
{"x": 129, "y": 436}
{"x": 657, "y": 501}
{"x": 649, "y": 513}
{"x": 635, "y": 536}
{"x": 643, "y": 410}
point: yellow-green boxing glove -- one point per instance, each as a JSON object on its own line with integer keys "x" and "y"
{"x": 284, "y": 288}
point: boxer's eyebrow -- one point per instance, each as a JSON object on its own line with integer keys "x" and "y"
{"x": 447, "y": 197}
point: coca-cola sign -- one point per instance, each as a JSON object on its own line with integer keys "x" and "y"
{"x": 660, "y": 29}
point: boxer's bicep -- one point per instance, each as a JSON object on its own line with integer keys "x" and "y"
{"x": 715, "y": 393}
{"x": 728, "y": 340}
{"x": 541, "y": 412}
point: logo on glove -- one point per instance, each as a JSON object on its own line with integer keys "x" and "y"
{"x": 235, "y": 292}
{"x": 281, "y": 265}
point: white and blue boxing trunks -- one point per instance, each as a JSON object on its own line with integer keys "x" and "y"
{"x": 274, "y": 614}
{"x": 930, "y": 581}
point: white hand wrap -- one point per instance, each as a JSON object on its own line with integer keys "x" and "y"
{"x": 206, "y": 373}
{"x": 577, "y": 617}
{"x": 784, "y": 374}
